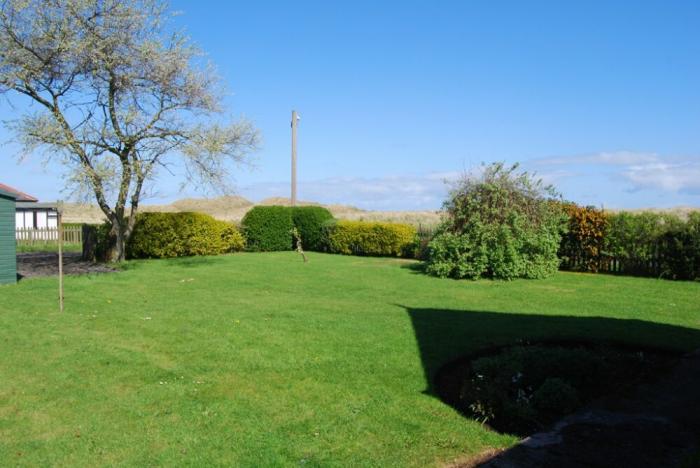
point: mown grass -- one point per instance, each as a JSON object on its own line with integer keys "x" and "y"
{"x": 48, "y": 247}
{"x": 262, "y": 360}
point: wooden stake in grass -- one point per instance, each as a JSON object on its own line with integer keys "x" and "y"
{"x": 297, "y": 241}
{"x": 60, "y": 257}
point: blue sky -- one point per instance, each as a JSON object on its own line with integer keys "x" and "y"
{"x": 602, "y": 98}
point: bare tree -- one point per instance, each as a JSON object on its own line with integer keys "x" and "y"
{"x": 118, "y": 96}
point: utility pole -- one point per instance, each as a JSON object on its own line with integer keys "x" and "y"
{"x": 295, "y": 120}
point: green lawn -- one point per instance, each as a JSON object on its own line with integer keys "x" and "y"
{"x": 48, "y": 247}
{"x": 260, "y": 359}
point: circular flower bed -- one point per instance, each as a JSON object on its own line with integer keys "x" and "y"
{"x": 523, "y": 388}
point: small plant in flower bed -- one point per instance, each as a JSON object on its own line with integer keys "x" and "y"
{"x": 522, "y": 389}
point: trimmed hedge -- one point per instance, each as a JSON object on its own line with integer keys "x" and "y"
{"x": 268, "y": 228}
{"x": 641, "y": 244}
{"x": 166, "y": 235}
{"x": 309, "y": 221}
{"x": 371, "y": 238}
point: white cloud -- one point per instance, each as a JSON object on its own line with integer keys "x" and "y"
{"x": 615, "y": 158}
{"x": 678, "y": 177}
{"x": 642, "y": 171}
{"x": 592, "y": 179}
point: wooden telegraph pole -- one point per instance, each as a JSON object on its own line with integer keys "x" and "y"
{"x": 295, "y": 120}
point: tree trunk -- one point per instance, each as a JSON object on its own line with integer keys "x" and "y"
{"x": 118, "y": 237}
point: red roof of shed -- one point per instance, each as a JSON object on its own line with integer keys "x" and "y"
{"x": 21, "y": 196}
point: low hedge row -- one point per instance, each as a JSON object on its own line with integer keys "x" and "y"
{"x": 642, "y": 244}
{"x": 265, "y": 228}
{"x": 166, "y": 235}
{"x": 371, "y": 238}
{"x": 269, "y": 228}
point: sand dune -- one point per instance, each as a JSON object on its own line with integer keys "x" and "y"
{"x": 233, "y": 208}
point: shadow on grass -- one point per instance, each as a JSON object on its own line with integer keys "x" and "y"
{"x": 187, "y": 262}
{"x": 445, "y": 336}
{"x": 194, "y": 262}
{"x": 417, "y": 267}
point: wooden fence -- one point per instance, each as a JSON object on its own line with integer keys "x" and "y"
{"x": 28, "y": 236}
{"x": 647, "y": 260}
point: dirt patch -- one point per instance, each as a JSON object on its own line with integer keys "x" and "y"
{"x": 46, "y": 264}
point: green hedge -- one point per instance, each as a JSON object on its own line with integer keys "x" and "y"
{"x": 309, "y": 221}
{"x": 268, "y": 228}
{"x": 371, "y": 238}
{"x": 165, "y": 235}
{"x": 640, "y": 244}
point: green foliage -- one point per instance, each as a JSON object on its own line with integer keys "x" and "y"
{"x": 502, "y": 225}
{"x": 679, "y": 249}
{"x": 370, "y": 238}
{"x": 632, "y": 239}
{"x": 641, "y": 244}
{"x": 309, "y": 222}
{"x": 166, "y": 235}
{"x": 268, "y": 228}
{"x": 521, "y": 389}
{"x": 555, "y": 397}
{"x": 583, "y": 244}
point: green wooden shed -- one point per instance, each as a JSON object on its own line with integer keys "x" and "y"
{"x": 8, "y": 244}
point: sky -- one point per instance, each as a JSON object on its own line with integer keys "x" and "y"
{"x": 600, "y": 98}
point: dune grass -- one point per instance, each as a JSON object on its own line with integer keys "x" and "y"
{"x": 262, "y": 360}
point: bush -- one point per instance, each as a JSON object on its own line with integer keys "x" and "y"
{"x": 166, "y": 235}
{"x": 309, "y": 221}
{"x": 632, "y": 239}
{"x": 642, "y": 244}
{"x": 370, "y": 238}
{"x": 268, "y": 228}
{"x": 679, "y": 250}
{"x": 502, "y": 225}
{"x": 583, "y": 244}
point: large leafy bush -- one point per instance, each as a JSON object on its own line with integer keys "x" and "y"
{"x": 309, "y": 221}
{"x": 370, "y": 238}
{"x": 504, "y": 224}
{"x": 268, "y": 228}
{"x": 165, "y": 235}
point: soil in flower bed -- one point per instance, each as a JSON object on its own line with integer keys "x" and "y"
{"x": 46, "y": 264}
{"x": 524, "y": 388}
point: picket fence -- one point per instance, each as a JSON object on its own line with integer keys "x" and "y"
{"x": 29, "y": 236}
